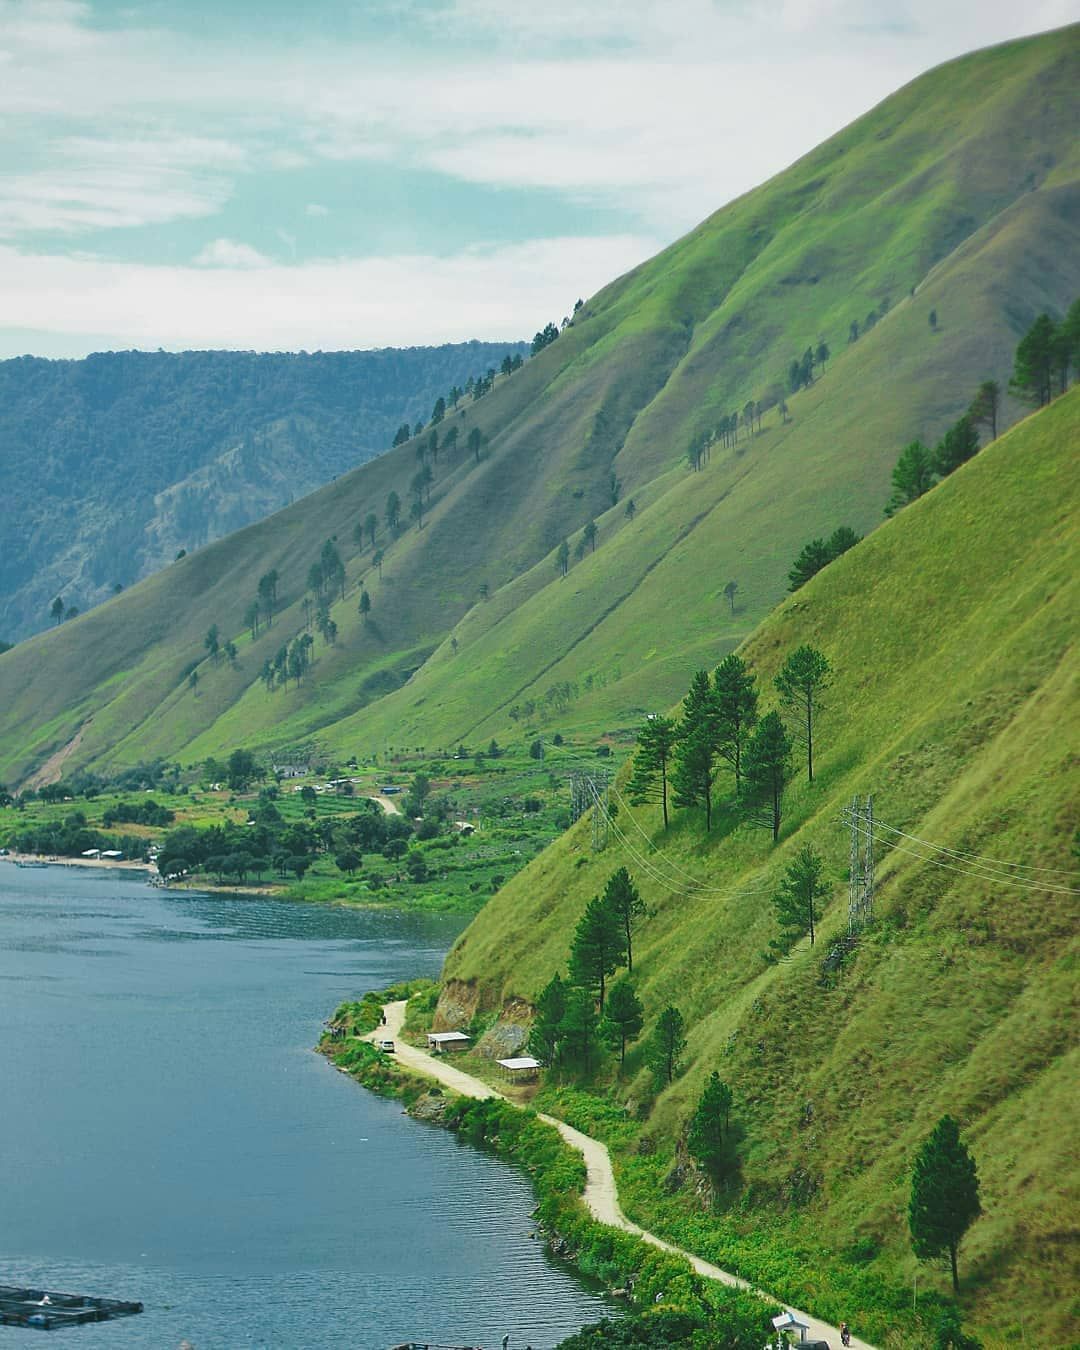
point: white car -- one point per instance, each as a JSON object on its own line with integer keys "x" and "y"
{"x": 388, "y": 1046}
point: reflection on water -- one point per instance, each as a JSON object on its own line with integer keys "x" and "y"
{"x": 169, "y": 1136}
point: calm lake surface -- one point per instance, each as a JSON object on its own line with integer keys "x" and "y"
{"x": 168, "y": 1135}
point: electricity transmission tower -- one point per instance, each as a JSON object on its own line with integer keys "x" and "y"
{"x": 860, "y": 818}
{"x": 590, "y": 791}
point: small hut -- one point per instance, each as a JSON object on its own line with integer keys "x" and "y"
{"x": 520, "y": 1069}
{"x": 447, "y": 1042}
{"x": 787, "y": 1321}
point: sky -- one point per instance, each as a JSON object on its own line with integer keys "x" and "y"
{"x": 330, "y": 174}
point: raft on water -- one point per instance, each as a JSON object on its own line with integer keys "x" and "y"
{"x": 46, "y": 1311}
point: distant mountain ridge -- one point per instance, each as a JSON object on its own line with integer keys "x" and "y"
{"x": 114, "y": 463}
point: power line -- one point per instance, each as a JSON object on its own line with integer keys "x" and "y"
{"x": 997, "y": 878}
{"x": 670, "y": 862}
{"x": 977, "y": 857}
{"x": 670, "y": 884}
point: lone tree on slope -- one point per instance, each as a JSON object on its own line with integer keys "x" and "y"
{"x": 802, "y": 678}
{"x": 766, "y": 767}
{"x": 797, "y": 900}
{"x": 666, "y": 1045}
{"x": 736, "y": 704}
{"x": 624, "y": 900}
{"x": 656, "y": 745}
{"x": 912, "y": 475}
{"x": 709, "y": 1136}
{"x": 624, "y": 1017}
{"x": 730, "y": 591}
{"x": 944, "y": 1195}
{"x": 598, "y": 948}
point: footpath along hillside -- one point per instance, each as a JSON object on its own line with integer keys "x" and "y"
{"x": 601, "y": 1195}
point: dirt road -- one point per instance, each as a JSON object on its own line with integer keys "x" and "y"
{"x": 601, "y": 1194}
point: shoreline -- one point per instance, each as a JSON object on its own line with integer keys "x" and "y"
{"x": 109, "y": 864}
{"x": 600, "y": 1195}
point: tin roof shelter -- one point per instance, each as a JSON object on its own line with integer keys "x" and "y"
{"x": 521, "y": 1066}
{"x": 442, "y": 1042}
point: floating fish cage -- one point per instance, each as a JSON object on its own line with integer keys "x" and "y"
{"x": 46, "y": 1311}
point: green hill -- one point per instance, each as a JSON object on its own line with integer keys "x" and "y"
{"x": 952, "y": 634}
{"x": 116, "y": 462}
{"x": 959, "y": 195}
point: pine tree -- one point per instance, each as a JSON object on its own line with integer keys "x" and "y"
{"x": 944, "y": 1195}
{"x": 736, "y": 711}
{"x": 622, "y": 898}
{"x": 812, "y": 558}
{"x": 656, "y": 745}
{"x": 984, "y": 407}
{"x": 547, "y": 1027}
{"x": 766, "y": 769}
{"x": 666, "y": 1045}
{"x": 797, "y": 901}
{"x": 709, "y": 1135}
{"x": 623, "y": 1018}
{"x": 580, "y": 1028}
{"x": 1033, "y": 366}
{"x": 959, "y": 444}
{"x": 695, "y": 754}
{"x": 598, "y": 948}
{"x": 802, "y": 679}
{"x": 912, "y": 475}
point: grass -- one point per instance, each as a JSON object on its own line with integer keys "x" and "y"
{"x": 932, "y": 190}
{"x": 952, "y": 636}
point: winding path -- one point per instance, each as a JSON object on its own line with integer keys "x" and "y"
{"x": 601, "y": 1195}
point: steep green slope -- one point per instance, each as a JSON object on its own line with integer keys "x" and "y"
{"x": 952, "y": 633}
{"x": 964, "y": 186}
{"x": 114, "y": 463}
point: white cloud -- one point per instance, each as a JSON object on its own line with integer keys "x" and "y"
{"x": 494, "y": 292}
{"x": 316, "y": 209}
{"x": 229, "y": 253}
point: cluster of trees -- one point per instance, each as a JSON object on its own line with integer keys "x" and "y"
{"x": 577, "y": 1016}
{"x": 818, "y": 553}
{"x": 71, "y": 836}
{"x": 271, "y": 843}
{"x": 544, "y": 338}
{"x": 291, "y": 661}
{"x": 720, "y": 725}
{"x": 871, "y": 319}
{"x": 1046, "y": 355}
{"x": 919, "y": 467}
{"x": 59, "y": 612}
{"x": 801, "y": 370}
{"x": 148, "y": 812}
{"x": 262, "y": 607}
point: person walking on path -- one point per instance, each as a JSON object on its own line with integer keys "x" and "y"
{"x": 845, "y": 1334}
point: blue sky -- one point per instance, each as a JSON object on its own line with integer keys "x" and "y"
{"x": 271, "y": 175}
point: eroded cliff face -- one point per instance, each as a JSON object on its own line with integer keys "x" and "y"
{"x": 459, "y": 1003}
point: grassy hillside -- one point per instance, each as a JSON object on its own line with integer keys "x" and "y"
{"x": 958, "y": 195}
{"x": 952, "y": 633}
{"x": 115, "y": 463}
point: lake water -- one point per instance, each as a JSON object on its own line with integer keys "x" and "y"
{"x": 168, "y": 1135}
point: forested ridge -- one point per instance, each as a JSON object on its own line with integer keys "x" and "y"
{"x": 116, "y": 462}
